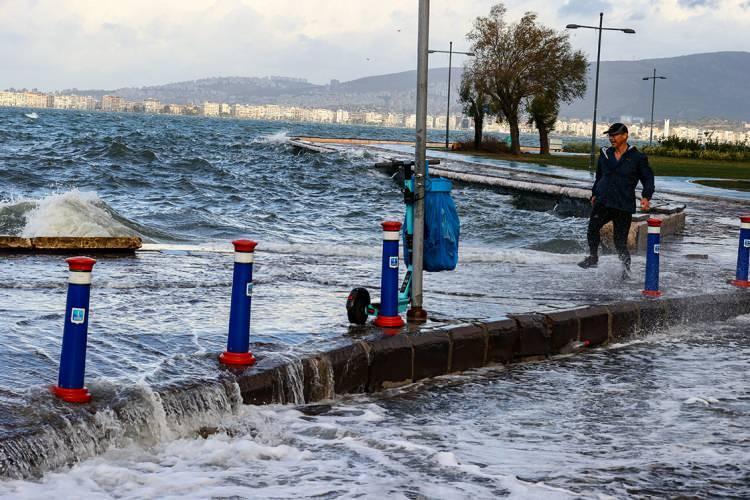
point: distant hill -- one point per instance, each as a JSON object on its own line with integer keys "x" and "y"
{"x": 699, "y": 86}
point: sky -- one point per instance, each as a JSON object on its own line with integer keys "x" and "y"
{"x": 108, "y": 44}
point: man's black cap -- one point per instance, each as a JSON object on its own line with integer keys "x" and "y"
{"x": 616, "y": 128}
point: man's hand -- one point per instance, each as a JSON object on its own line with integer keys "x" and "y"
{"x": 593, "y": 200}
{"x": 645, "y": 205}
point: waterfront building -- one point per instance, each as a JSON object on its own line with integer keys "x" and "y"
{"x": 151, "y": 106}
{"x": 209, "y": 109}
{"x": 112, "y": 103}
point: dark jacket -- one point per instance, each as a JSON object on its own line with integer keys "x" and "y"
{"x": 616, "y": 181}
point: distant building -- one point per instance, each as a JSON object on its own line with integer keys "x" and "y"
{"x": 112, "y": 103}
{"x": 666, "y": 127}
{"x": 152, "y": 106}
{"x": 210, "y": 109}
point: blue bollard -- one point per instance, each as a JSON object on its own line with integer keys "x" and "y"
{"x": 73, "y": 356}
{"x": 743, "y": 252}
{"x": 388, "y": 312}
{"x": 238, "y": 341}
{"x": 652, "y": 259}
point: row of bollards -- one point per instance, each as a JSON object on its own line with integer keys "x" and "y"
{"x": 70, "y": 383}
{"x": 651, "y": 288}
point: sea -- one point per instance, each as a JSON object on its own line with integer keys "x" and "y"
{"x": 662, "y": 415}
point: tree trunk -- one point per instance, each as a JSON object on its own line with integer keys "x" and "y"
{"x": 515, "y": 134}
{"x": 478, "y": 125}
{"x": 543, "y": 140}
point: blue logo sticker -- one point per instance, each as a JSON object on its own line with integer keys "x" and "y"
{"x": 657, "y": 247}
{"x": 77, "y": 315}
{"x": 249, "y": 290}
{"x": 393, "y": 263}
{"x": 746, "y": 243}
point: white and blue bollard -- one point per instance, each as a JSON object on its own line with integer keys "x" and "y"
{"x": 238, "y": 340}
{"x": 743, "y": 252}
{"x": 70, "y": 386}
{"x": 388, "y": 316}
{"x": 652, "y": 259}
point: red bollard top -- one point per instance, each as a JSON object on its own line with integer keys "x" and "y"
{"x": 81, "y": 263}
{"x": 654, "y": 222}
{"x": 745, "y": 218}
{"x": 391, "y": 225}
{"x": 244, "y": 245}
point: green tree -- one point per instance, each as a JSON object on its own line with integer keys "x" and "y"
{"x": 519, "y": 61}
{"x": 543, "y": 110}
{"x": 474, "y": 99}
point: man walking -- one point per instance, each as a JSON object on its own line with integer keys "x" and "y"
{"x": 620, "y": 168}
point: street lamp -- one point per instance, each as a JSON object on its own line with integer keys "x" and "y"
{"x": 653, "y": 95}
{"x": 450, "y": 53}
{"x": 596, "y": 85}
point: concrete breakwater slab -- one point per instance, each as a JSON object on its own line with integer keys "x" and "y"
{"x": 70, "y": 244}
{"x": 372, "y": 364}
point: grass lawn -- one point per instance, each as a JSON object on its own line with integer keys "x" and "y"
{"x": 662, "y": 165}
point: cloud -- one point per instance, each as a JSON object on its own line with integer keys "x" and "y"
{"x": 694, "y": 4}
{"x": 110, "y": 44}
{"x": 584, "y": 7}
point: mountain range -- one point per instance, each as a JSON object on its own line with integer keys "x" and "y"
{"x": 697, "y": 86}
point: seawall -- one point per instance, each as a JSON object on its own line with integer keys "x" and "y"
{"x": 375, "y": 363}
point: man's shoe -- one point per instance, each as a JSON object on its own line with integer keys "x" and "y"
{"x": 590, "y": 261}
{"x": 626, "y": 274}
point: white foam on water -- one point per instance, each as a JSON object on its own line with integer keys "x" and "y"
{"x": 515, "y": 256}
{"x": 279, "y": 137}
{"x": 276, "y": 451}
{"x": 73, "y": 213}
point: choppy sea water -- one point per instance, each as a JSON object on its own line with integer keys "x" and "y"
{"x": 189, "y": 186}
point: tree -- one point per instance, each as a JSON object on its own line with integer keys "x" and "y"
{"x": 570, "y": 83}
{"x": 519, "y": 61}
{"x": 542, "y": 111}
{"x": 474, "y": 98}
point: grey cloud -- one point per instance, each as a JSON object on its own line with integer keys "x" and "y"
{"x": 584, "y": 7}
{"x": 745, "y": 5}
{"x": 693, "y": 4}
{"x": 637, "y": 16}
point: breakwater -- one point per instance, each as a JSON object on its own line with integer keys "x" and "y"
{"x": 368, "y": 365}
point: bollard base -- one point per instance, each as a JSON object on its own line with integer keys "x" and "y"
{"x": 741, "y": 283}
{"x": 651, "y": 293}
{"x": 416, "y": 315}
{"x": 389, "y": 321}
{"x": 71, "y": 395}
{"x": 237, "y": 358}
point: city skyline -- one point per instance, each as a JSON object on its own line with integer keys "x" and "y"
{"x": 78, "y": 44}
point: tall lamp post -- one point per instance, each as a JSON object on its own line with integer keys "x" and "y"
{"x": 450, "y": 53}
{"x": 596, "y": 85}
{"x": 653, "y": 96}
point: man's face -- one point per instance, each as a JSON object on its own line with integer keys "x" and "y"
{"x": 618, "y": 140}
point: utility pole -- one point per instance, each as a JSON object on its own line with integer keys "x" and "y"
{"x": 416, "y": 314}
{"x": 450, "y": 53}
{"x": 653, "y": 97}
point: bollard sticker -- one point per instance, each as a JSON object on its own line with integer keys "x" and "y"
{"x": 746, "y": 243}
{"x": 393, "y": 262}
{"x": 77, "y": 315}
{"x": 657, "y": 247}
{"x": 249, "y": 289}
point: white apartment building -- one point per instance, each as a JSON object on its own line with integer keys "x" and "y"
{"x": 209, "y": 109}
{"x": 112, "y": 103}
{"x": 151, "y": 106}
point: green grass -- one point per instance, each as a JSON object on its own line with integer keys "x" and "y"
{"x": 662, "y": 165}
